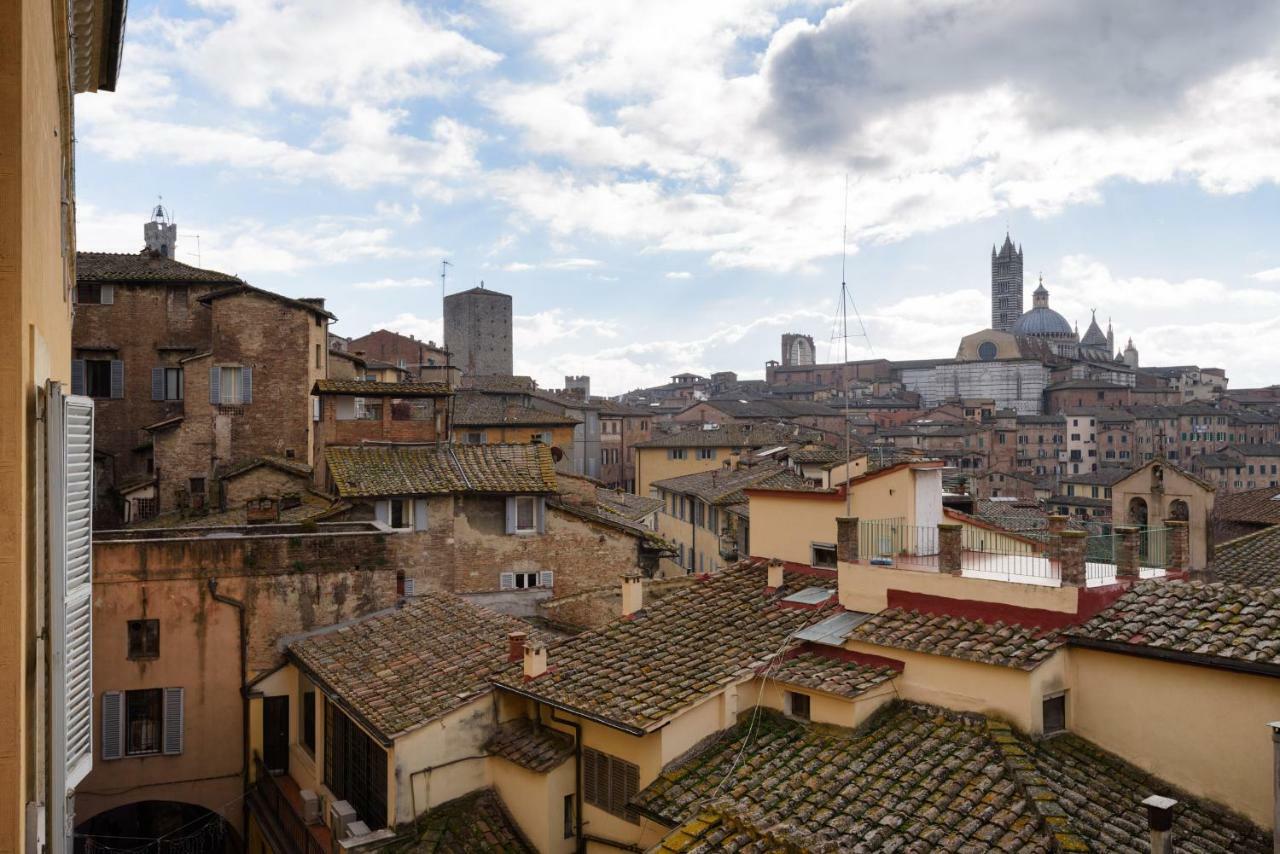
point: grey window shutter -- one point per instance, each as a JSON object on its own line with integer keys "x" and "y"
{"x": 408, "y": 587}
{"x": 157, "y": 383}
{"x": 112, "y": 724}
{"x": 77, "y": 376}
{"x": 246, "y": 385}
{"x": 69, "y": 460}
{"x": 117, "y": 378}
{"x": 507, "y": 581}
{"x": 382, "y": 511}
{"x": 173, "y": 722}
{"x": 546, "y": 578}
{"x": 420, "y": 514}
{"x": 511, "y": 515}
{"x": 540, "y": 511}
{"x": 107, "y": 295}
{"x": 215, "y": 385}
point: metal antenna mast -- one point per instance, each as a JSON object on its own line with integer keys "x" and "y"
{"x": 844, "y": 331}
{"x": 444, "y": 274}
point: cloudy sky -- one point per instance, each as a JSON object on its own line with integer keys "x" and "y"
{"x": 661, "y": 185}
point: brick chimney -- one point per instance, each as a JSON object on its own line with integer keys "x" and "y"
{"x": 1070, "y": 546}
{"x": 1127, "y": 548}
{"x": 846, "y": 539}
{"x": 1160, "y": 823}
{"x": 632, "y": 594}
{"x": 515, "y": 645}
{"x": 950, "y": 548}
{"x": 775, "y": 575}
{"x": 535, "y": 659}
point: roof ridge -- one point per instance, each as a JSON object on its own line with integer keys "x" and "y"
{"x": 1023, "y": 773}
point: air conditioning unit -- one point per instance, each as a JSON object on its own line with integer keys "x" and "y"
{"x": 341, "y": 816}
{"x": 311, "y": 812}
{"x": 357, "y": 829}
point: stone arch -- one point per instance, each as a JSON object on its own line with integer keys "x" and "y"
{"x": 161, "y": 826}
{"x": 1178, "y": 511}
{"x": 1137, "y": 512}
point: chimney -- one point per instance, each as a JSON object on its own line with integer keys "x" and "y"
{"x": 632, "y": 594}
{"x": 1160, "y": 823}
{"x": 775, "y": 575}
{"x": 847, "y": 539}
{"x": 535, "y": 659}
{"x": 515, "y": 645}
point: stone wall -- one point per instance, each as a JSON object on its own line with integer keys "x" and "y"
{"x": 477, "y": 331}
{"x": 257, "y": 482}
{"x": 593, "y": 608}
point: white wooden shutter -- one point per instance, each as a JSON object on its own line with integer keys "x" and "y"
{"x": 112, "y": 724}
{"x": 420, "y": 514}
{"x": 546, "y": 578}
{"x": 117, "y": 379}
{"x": 246, "y": 385}
{"x": 382, "y": 511}
{"x": 69, "y": 452}
{"x": 77, "y": 376}
{"x": 409, "y": 586}
{"x": 173, "y": 721}
{"x": 157, "y": 383}
{"x": 507, "y": 581}
{"x": 107, "y": 295}
{"x": 215, "y": 385}
{"x": 511, "y": 515}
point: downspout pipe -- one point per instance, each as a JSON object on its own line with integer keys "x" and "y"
{"x": 581, "y": 843}
{"x": 244, "y": 692}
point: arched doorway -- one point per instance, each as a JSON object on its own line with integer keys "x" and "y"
{"x": 1178, "y": 511}
{"x": 1138, "y": 512}
{"x": 157, "y": 827}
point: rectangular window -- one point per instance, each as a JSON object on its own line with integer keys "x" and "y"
{"x": 799, "y": 705}
{"x": 526, "y": 514}
{"x": 97, "y": 377}
{"x": 401, "y": 513}
{"x": 610, "y": 783}
{"x": 1054, "y": 713}
{"x": 355, "y": 768}
{"x": 706, "y": 453}
{"x": 823, "y": 555}
{"x": 307, "y": 714}
{"x": 675, "y": 453}
{"x": 144, "y": 721}
{"x": 173, "y": 383}
{"x": 319, "y": 363}
{"x": 569, "y": 823}
{"x": 474, "y": 438}
{"x": 144, "y": 639}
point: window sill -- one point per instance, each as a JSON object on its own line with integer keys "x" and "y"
{"x": 143, "y": 754}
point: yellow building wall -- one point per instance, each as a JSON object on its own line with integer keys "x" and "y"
{"x": 864, "y": 587}
{"x": 652, "y": 465}
{"x": 1202, "y": 729}
{"x": 439, "y": 746}
{"x": 704, "y": 545}
{"x": 824, "y": 708}
{"x": 536, "y": 801}
{"x": 35, "y": 346}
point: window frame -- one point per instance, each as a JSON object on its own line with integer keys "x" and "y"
{"x": 799, "y": 706}
{"x": 601, "y": 773}
{"x": 813, "y": 555}
{"x": 532, "y": 503}
{"x": 1054, "y": 697}
{"x": 148, "y": 637}
{"x": 154, "y": 698}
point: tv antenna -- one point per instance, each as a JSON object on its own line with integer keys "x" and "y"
{"x": 445, "y": 264}
{"x": 846, "y": 302}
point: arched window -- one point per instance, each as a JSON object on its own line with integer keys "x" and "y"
{"x": 1178, "y": 510}
{"x": 1138, "y": 512}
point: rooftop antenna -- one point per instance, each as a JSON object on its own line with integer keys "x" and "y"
{"x": 844, "y": 329}
{"x": 445, "y": 264}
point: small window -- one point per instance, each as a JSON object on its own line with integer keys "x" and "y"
{"x": 307, "y": 713}
{"x": 526, "y": 580}
{"x": 144, "y": 721}
{"x": 706, "y": 453}
{"x": 675, "y": 453}
{"x": 229, "y": 386}
{"x": 144, "y": 639}
{"x": 319, "y": 363}
{"x": 799, "y": 704}
{"x": 401, "y": 510}
{"x": 568, "y": 817}
{"x": 97, "y": 377}
{"x": 526, "y": 514}
{"x": 197, "y": 485}
{"x": 1054, "y": 713}
{"x": 823, "y": 555}
{"x": 475, "y": 438}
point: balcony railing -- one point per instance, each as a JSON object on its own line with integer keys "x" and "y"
{"x": 893, "y": 540}
{"x": 270, "y": 795}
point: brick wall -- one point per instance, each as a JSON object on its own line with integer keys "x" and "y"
{"x": 263, "y": 480}
{"x": 594, "y": 608}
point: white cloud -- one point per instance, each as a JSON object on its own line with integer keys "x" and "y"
{"x": 554, "y": 325}
{"x": 1088, "y": 284}
{"x": 390, "y": 284}
{"x": 679, "y": 274}
{"x": 1272, "y": 275}
{"x": 552, "y": 264}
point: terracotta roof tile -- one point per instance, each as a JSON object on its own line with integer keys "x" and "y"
{"x": 625, "y": 504}
{"x": 401, "y": 669}
{"x": 917, "y": 778}
{"x": 729, "y": 436}
{"x": 1253, "y": 559}
{"x": 370, "y": 471}
{"x": 637, "y": 672}
{"x": 957, "y": 637}
{"x": 365, "y": 388}
{"x": 724, "y": 486}
{"x": 1260, "y": 506}
{"x": 832, "y": 675}
{"x": 485, "y": 410}
{"x": 477, "y": 823}
{"x": 141, "y": 267}
{"x": 1224, "y": 621}
{"x": 539, "y": 748}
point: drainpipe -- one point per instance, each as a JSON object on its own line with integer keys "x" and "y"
{"x": 580, "y": 845}
{"x": 244, "y": 693}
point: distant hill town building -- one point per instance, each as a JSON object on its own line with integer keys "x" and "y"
{"x": 477, "y": 331}
{"x": 1006, "y": 285}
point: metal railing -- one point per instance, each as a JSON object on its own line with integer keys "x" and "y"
{"x": 1004, "y": 555}
{"x": 894, "y": 538}
{"x": 1102, "y": 553}
{"x": 274, "y": 801}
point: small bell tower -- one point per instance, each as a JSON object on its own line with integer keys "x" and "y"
{"x": 160, "y": 234}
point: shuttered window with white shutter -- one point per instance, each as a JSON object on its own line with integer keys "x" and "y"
{"x": 173, "y": 721}
{"x": 69, "y": 452}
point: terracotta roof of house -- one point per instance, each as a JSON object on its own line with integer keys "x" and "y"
{"x": 823, "y": 455}
{"x": 483, "y": 410}
{"x": 724, "y": 486}
{"x": 630, "y": 507}
{"x": 1217, "y": 624}
{"x": 141, "y": 266}
{"x": 1256, "y": 505}
{"x": 729, "y": 436}
{"x": 244, "y": 288}
{"x": 766, "y": 407}
{"x": 538, "y": 748}
{"x": 401, "y": 669}
{"x": 1019, "y": 517}
{"x": 284, "y": 464}
{"x": 918, "y": 778}
{"x": 374, "y": 470}
{"x": 499, "y": 382}
{"x": 635, "y": 673}
{"x": 1104, "y": 476}
{"x": 476, "y": 823}
{"x": 366, "y": 388}
{"x": 957, "y": 637}
{"x": 825, "y": 673}
{"x": 1253, "y": 559}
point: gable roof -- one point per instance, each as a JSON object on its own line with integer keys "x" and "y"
{"x": 244, "y": 288}
{"x": 1260, "y": 506}
{"x": 400, "y": 670}
{"x": 730, "y": 436}
{"x": 1253, "y": 559}
{"x": 918, "y": 778}
{"x": 629, "y": 506}
{"x": 633, "y": 674}
{"x": 367, "y": 388}
{"x": 719, "y": 486}
{"x": 1220, "y": 625}
{"x": 377, "y": 470}
{"x": 476, "y": 823}
{"x": 142, "y": 267}
{"x": 1005, "y": 645}
{"x": 485, "y": 410}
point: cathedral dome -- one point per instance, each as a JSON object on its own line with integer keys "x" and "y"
{"x": 1043, "y": 322}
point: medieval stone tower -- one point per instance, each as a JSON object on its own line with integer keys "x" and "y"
{"x": 1006, "y": 285}
{"x": 477, "y": 331}
{"x": 797, "y": 349}
{"x": 160, "y": 235}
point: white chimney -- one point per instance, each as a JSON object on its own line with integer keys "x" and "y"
{"x": 1160, "y": 823}
{"x": 535, "y": 659}
{"x": 775, "y": 574}
{"x": 632, "y": 594}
